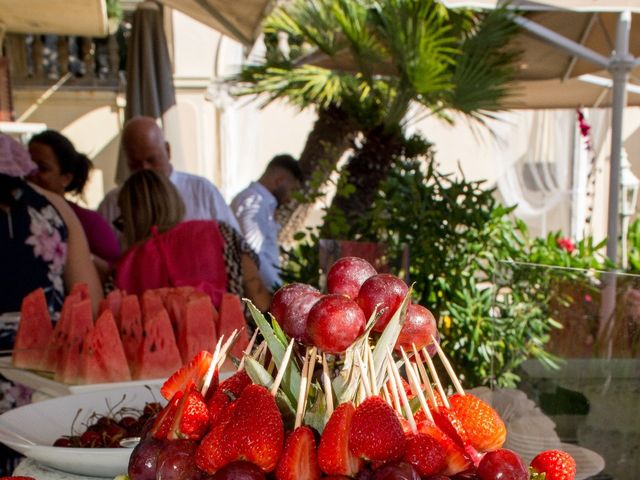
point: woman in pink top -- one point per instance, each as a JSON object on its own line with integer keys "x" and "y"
{"x": 62, "y": 169}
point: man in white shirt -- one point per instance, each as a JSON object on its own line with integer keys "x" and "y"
{"x": 145, "y": 147}
{"x": 255, "y": 208}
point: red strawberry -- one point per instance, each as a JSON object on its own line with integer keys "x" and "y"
{"x": 334, "y": 456}
{"x": 376, "y": 433}
{"x": 193, "y": 372}
{"x": 164, "y": 420}
{"x": 212, "y": 453}
{"x": 227, "y": 392}
{"x": 457, "y": 459}
{"x": 299, "y": 460}
{"x": 191, "y": 419}
{"x": 555, "y": 464}
{"x": 483, "y": 426}
{"x": 255, "y": 432}
{"x": 426, "y": 454}
{"x": 450, "y": 424}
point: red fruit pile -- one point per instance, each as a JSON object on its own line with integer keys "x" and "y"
{"x": 332, "y": 322}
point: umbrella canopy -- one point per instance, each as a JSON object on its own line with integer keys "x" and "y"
{"x": 150, "y": 89}
{"x": 67, "y": 17}
{"x": 238, "y": 19}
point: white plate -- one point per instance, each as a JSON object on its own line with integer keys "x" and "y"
{"x": 52, "y": 388}
{"x": 32, "y": 429}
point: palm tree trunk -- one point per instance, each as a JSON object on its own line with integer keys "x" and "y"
{"x": 331, "y": 136}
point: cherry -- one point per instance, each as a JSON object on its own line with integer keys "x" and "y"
{"x": 395, "y": 471}
{"x": 418, "y": 327}
{"x": 334, "y": 322}
{"x": 143, "y": 459}
{"x": 502, "y": 464}
{"x": 62, "y": 442}
{"x": 290, "y": 306}
{"x": 91, "y": 439}
{"x": 385, "y": 291}
{"x": 152, "y": 408}
{"x": 347, "y": 275}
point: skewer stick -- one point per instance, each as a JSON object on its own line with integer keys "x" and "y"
{"x": 413, "y": 380}
{"x": 372, "y": 371}
{"x": 364, "y": 376}
{"x": 302, "y": 392}
{"x": 394, "y": 389}
{"x": 227, "y": 346}
{"x": 213, "y": 366}
{"x": 248, "y": 349}
{"x": 448, "y": 367}
{"x": 386, "y": 395}
{"x": 425, "y": 377}
{"x": 436, "y": 379}
{"x": 403, "y": 395}
{"x": 271, "y": 367}
{"x": 262, "y": 353}
{"x": 312, "y": 366}
{"x": 326, "y": 381}
{"x": 282, "y": 368}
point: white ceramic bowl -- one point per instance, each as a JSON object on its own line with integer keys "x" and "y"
{"x": 32, "y": 429}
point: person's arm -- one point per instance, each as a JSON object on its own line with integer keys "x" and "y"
{"x": 252, "y": 284}
{"x": 79, "y": 267}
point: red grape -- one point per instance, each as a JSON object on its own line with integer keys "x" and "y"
{"x": 290, "y": 306}
{"x": 395, "y": 471}
{"x": 385, "y": 291}
{"x": 239, "y": 471}
{"x": 502, "y": 464}
{"x": 176, "y": 461}
{"x": 334, "y": 322}
{"x": 143, "y": 460}
{"x": 347, "y": 274}
{"x": 417, "y": 328}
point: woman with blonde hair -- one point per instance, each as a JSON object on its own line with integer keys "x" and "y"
{"x": 164, "y": 251}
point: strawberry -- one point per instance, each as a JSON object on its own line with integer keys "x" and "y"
{"x": 299, "y": 460}
{"x": 212, "y": 453}
{"x": 376, "y": 433}
{"x": 484, "y": 428}
{"x": 191, "y": 420}
{"x": 192, "y": 372}
{"x": 555, "y": 464}
{"x": 334, "y": 456}
{"x": 425, "y": 453}
{"x": 226, "y": 393}
{"x": 457, "y": 459}
{"x": 164, "y": 420}
{"x": 255, "y": 432}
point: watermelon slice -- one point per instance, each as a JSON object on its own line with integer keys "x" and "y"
{"x": 68, "y": 370}
{"x": 196, "y": 330}
{"x": 232, "y": 318}
{"x": 81, "y": 289}
{"x": 131, "y": 328}
{"x": 159, "y": 356}
{"x": 34, "y": 331}
{"x": 103, "y": 359}
{"x": 54, "y": 351}
{"x": 113, "y": 302}
{"x": 151, "y": 303}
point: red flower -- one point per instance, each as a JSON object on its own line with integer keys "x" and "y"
{"x": 566, "y": 244}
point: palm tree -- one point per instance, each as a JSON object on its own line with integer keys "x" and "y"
{"x": 399, "y": 53}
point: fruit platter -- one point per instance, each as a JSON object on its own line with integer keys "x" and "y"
{"x": 351, "y": 384}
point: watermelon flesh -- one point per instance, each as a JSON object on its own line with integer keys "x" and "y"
{"x": 103, "y": 359}
{"x": 113, "y": 302}
{"x": 34, "y": 331}
{"x": 151, "y": 304}
{"x": 131, "y": 328}
{"x": 159, "y": 356}
{"x": 68, "y": 370}
{"x": 54, "y": 351}
{"x": 196, "y": 330}
{"x": 231, "y": 318}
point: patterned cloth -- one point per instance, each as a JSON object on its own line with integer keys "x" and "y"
{"x": 14, "y": 158}
{"x": 235, "y": 246}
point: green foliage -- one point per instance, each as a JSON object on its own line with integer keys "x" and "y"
{"x": 633, "y": 253}
{"x": 464, "y": 248}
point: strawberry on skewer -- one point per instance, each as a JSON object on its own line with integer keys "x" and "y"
{"x": 334, "y": 455}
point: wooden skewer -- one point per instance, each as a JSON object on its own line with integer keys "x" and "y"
{"x": 425, "y": 377}
{"x": 212, "y": 368}
{"x": 248, "y": 349}
{"x": 413, "y": 380}
{"x": 271, "y": 367}
{"x": 386, "y": 395}
{"x": 364, "y": 376}
{"x": 262, "y": 353}
{"x": 282, "y": 368}
{"x": 394, "y": 389}
{"x": 372, "y": 371}
{"x": 312, "y": 366}
{"x": 326, "y": 381}
{"x": 227, "y": 346}
{"x": 436, "y": 379}
{"x": 448, "y": 367}
{"x": 302, "y": 397}
{"x": 403, "y": 395}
